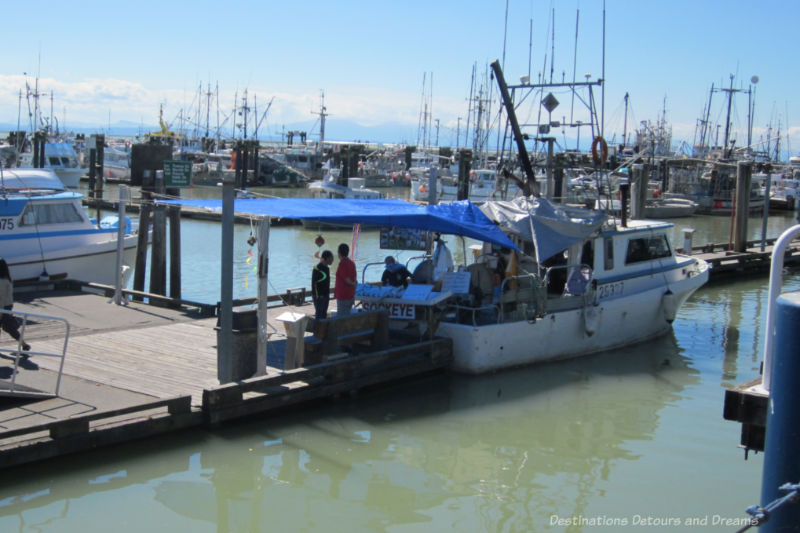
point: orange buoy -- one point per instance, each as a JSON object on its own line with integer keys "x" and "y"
{"x": 599, "y": 150}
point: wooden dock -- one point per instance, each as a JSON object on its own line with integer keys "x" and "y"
{"x": 141, "y": 370}
{"x": 724, "y": 263}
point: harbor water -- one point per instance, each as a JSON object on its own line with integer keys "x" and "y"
{"x": 629, "y": 439}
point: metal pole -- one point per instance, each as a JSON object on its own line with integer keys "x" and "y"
{"x": 123, "y": 197}
{"x": 225, "y": 342}
{"x": 263, "y": 278}
{"x": 775, "y": 281}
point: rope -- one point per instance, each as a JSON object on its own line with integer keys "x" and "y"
{"x": 761, "y": 514}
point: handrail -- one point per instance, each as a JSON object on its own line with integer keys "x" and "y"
{"x": 16, "y": 353}
{"x": 775, "y": 281}
{"x": 364, "y": 270}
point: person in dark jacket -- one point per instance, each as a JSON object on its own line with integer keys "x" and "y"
{"x": 321, "y": 285}
{"x": 9, "y": 322}
{"x": 395, "y": 274}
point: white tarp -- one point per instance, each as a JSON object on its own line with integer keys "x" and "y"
{"x": 552, "y": 228}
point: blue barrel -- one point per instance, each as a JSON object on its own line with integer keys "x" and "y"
{"x": 782, "y": 446}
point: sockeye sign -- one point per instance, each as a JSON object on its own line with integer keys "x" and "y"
{"x": 405, "y": 311}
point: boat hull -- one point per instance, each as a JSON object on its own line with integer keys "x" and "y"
{"x": 591, "y": 327}
{"x": 95, "y": 262}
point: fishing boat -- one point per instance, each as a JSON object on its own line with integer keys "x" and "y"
{"x": 587, "y": 283}
{"x": 46, "y": 234}
{"x": 545, "y": 282}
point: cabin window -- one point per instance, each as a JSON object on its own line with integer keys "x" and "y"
{"x": 62, "y": 213}
{"x": 54, "y": 161}
{"x": 608, "y": 247}
{"x": 647, "y": 248}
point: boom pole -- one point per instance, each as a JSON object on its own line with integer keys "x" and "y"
{"x": 512, "y": 117}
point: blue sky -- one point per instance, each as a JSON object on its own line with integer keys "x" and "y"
{"x": 107, "y": 62}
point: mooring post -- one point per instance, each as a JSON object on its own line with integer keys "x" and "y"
{"x": 225, "y": 335}
{"x": 688, "y": 233}
{"x": 744, "y": 171}
{"x": 783, "y": 416}
{"x": 92, "y": 168}
{"x": 100, "y": 140}
{"x": 263, "y": 284}
{"x": 432, "y": 186}
{"x": 139, "y": 270}
{"x": 158, "y": 250}
{"x": 637, "y": 207}
{"x": 174, "y": 214}
{"x": 765, "y": 215}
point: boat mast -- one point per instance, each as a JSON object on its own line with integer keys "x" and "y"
{"x": 728, "y": 116}
{"x": 625, "y": 124}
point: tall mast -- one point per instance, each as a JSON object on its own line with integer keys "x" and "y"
{"x": 625, "y": 123}
{"x": 728, "y": 117}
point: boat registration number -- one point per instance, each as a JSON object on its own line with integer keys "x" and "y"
{"x": 610, "y": 289}
{"x": 6, "y": 224}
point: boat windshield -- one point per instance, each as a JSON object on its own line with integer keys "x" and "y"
{"x": 647, "y": 248}
{"x": 60, "y": 213}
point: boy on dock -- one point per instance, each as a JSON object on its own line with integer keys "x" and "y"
{"x": 321, "y": 285}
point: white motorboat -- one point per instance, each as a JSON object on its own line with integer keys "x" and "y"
{"x": 62, "y": 158}
{"x": 46, "y": 234}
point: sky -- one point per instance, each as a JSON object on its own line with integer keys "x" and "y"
{"x": 391, "y": 63}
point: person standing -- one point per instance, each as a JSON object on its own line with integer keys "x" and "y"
{"x": 321, "y": 285}
{"x": 9, "y": 322}
{"x": 345, "y": 288}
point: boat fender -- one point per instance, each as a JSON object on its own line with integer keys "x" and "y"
{"x": 670, "y": 306}
{"x": 591, "y": 319}
{"x": 599, "y": 150}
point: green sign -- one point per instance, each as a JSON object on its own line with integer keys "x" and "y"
{"x": 177, "y": 173}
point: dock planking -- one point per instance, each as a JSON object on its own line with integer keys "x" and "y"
{"x": 140, "y": 370}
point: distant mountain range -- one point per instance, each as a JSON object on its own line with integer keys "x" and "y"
{"x": 338, "y": 130}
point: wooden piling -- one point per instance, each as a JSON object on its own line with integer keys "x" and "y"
{"x": 174, "y": 214}
{"x": 145, "y": 214}
{"x": 158, "y": 247}
{"x": 744, "y": 170}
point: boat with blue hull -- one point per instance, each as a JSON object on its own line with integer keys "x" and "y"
{"x": 46, "y": 234}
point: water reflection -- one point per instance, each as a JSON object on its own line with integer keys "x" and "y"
{"x": 499, "y": 452}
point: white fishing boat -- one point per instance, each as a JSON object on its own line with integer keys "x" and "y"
{"x": 590, "y": 283}
{"x": 46, "y": 234}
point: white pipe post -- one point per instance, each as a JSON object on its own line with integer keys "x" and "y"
{"x": 123, "y": 197}
{"x": 775, "y": 282}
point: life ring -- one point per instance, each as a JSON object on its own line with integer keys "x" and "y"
{"x": 473, "y": 176}
{"x": 599, "y": 150}
{"x": 423, "y": 189}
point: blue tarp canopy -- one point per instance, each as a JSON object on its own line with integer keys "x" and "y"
{"x": 452, "y": 218}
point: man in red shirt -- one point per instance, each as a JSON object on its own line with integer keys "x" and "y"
{"x": 345, "y": 289}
